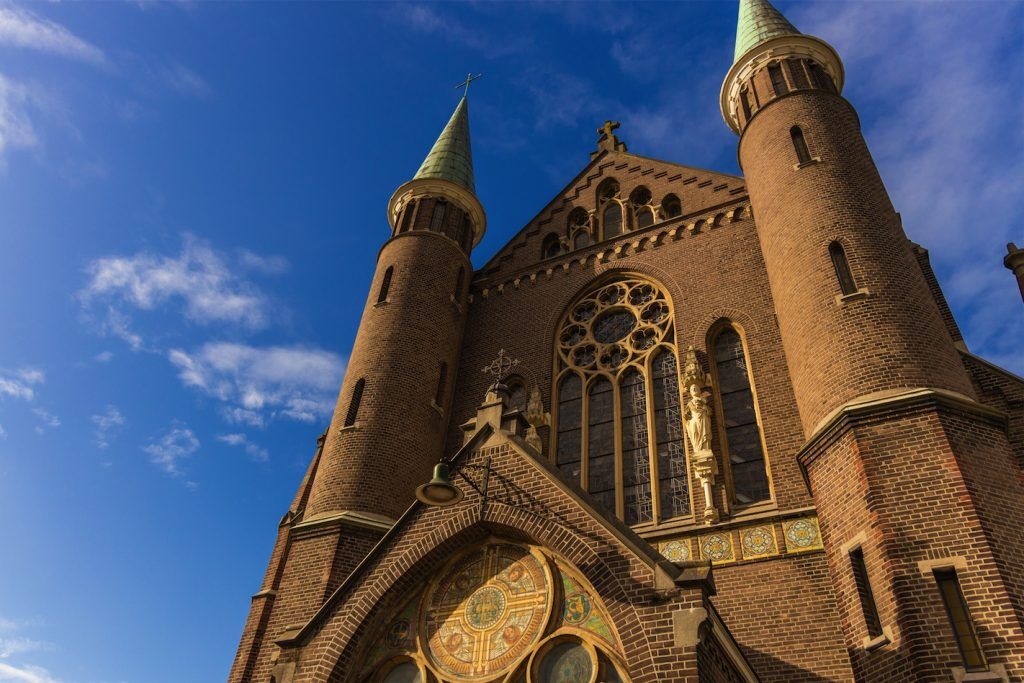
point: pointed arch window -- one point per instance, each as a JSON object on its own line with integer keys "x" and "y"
{"x": 640, "y": 203}
{"x": 738, "y": 415}
{"x": 385, "y": 285}
{"x": 615, "y": 351}
{"x": 611, "y": 220}
{"x": 842, "y": 267}
{"x": 353, "y": 403}
{"x": 671, "y": 207}
{"x": 551, "y": 247}
{"x": 778, "y": 80}
{"x": 578, "y": 227}
{"x": 407, "y": 214}
{"x": 516, "y": 392}
{"x": 803, "y": 154}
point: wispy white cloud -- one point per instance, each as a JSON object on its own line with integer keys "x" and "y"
{"x": 21, "y": 28}
{"x": 268, "y": 265}
{"x": 436, "y": 20}
{"x": 255, "y": 451}
{"x": 168, "y": 450}
{"x": 200, "y": 279}
{"x": 258, "y": 383}
{"x": 25, "y": 674}
{"x": 104, "y": 356}
{"x": 46, "y": 420}
{"x": 108, "y": 424}
{"x": 946, "y": 137}
{"x": 3, "y": 432}
{"x": 20, "y": 383}
{"x": 183, "y": 80}
{"x": 19, "y": 645}
{"x": 17, "y": 131}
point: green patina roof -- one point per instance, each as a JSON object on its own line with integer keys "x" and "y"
{"x": 758, "y": 22}
{"x": 451, "y": 157}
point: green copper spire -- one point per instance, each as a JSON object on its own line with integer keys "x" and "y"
{"x": 758, "y": 22}
{"x": 451, "y": 157}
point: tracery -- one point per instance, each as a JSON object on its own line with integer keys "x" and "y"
{"x": 615, "y": 357}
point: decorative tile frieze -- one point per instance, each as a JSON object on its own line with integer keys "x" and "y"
{"x": 678, "y": 550}
{"x": 717, "y": 547}
{"x": 758, "y": 541}
{"x": 802, "y": 535}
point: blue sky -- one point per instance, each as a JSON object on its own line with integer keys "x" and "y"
{"x": 192, "y": 197}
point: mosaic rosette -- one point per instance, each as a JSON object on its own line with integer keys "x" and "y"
{"x": 758, "y": 541}
{"x": 677, "y": 551}
{"x": 486, "y": 611}
{"x": 579, "y": 611}
{"x": 802, "y": 535}
{"x": 717, "y": 547}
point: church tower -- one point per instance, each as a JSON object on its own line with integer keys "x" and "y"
{"x": 373, "y": 455}
{"x": 408, "y": 341}
{"x": 900, "y": 456}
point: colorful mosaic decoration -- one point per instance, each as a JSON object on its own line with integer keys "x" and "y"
{"x": 578, "y": 610}
{"x": 399, "y": 634}
{"x": 717, "y": 547}
{"x": 758, "y": 541}
{"x": 677, "y": 551}
{"x": 566, "y": 663}
{"x": 802, "y": 535}
{"x": 487, "y": 611}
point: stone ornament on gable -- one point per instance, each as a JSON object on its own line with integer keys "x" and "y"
{"x": 536, "y": 416}
{"x": 698, "y": 429}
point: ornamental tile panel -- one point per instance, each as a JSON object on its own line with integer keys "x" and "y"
{"x": 758, "y": 541}
{"x": 717, "y": 547}
{"x": 802, "y": 535}
{"x": 678, "y": 550}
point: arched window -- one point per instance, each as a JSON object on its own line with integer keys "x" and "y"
{"x": 842, "y": 266}
{"x": 739, "y": 418}
{"x": 517, "y": 392}
{"x": 671, "y": 207}
{"x": 442, "y": 381}
{"x": 570, "y": 427}
{"x": 615, "y": 350}
{"x": 551, "y": 247}
{"x": 611, "y": 220}
{"x": 608, "y": 189}
{"x": 438, "y": 216}
{"x": 385, "y": 285}
{"x": 578, "y": 227}
{"x": 410, "y": 209}
{"x": 581, "y": 239}
{"x": 803, "y": 155}
{"x": 353, "y": 403}
{"x": 640, "y": 202}
{"x": 458, "y": 282}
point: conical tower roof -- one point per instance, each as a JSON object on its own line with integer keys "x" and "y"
{"x": 758, "y": 22}
{"x": 451, "y": 158}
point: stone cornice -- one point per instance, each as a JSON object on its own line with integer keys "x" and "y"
{"x": 367, "y": 521}
{"x": 880, "y": 404}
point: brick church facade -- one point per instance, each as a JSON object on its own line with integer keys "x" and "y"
{"x": 729, "y": 430}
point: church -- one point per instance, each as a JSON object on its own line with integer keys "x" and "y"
{"x": 683, "y": 426}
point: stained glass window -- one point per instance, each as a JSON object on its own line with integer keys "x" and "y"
{"x": 673, "y": 476}
{"x": 644, "y": 217}
{"x": 636, "y": 463}
{"x": 612, "y": 221}
{"x": 406, "y": 672}
{"x": 570, "y": 427}
{"x": 742, "y": 433}
{"x": 601, "y": 443}
{"x": 567, "y": 662}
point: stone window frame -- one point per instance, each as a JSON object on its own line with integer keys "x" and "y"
{"x": 733, "y": 506}
{"x": 641, "y": 361}
{"x": 869, "y": 643}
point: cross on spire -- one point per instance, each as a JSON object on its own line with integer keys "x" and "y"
{"x": 501, "y": 366}
{"x": 465, "y": 84}
{"x": 608, "y": 128}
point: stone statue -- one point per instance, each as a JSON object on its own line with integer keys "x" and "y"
{"x": 536, "y": 416}
{"x": 698, "y": 430}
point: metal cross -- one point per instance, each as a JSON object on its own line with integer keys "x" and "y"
{"x": 465, "y": 84}
{"x": 501, "y": 366}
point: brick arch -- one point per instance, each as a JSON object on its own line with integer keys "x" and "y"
{"x": 388, "y": 587}
{"x": 698, "y": 336}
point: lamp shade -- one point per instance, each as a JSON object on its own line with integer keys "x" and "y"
{"x": 439, "y": 491}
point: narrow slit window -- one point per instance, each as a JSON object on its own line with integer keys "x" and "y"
{"x": 867, "y": 598}
{"x": 842, "y": 266}
{"x": 742, "y": 432}
{"x": 960, "y": 619}
{"x": 458, "y": 282}
{"x": 745, "y": 103}
{"x": 353, "y": 404}
{"x": 437, "y": 217}
{"x": 442, "y": 381}
{"x": 778, "y": 80}
{"x": 803, "y": 154}
{"x": 385, "y": 285}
